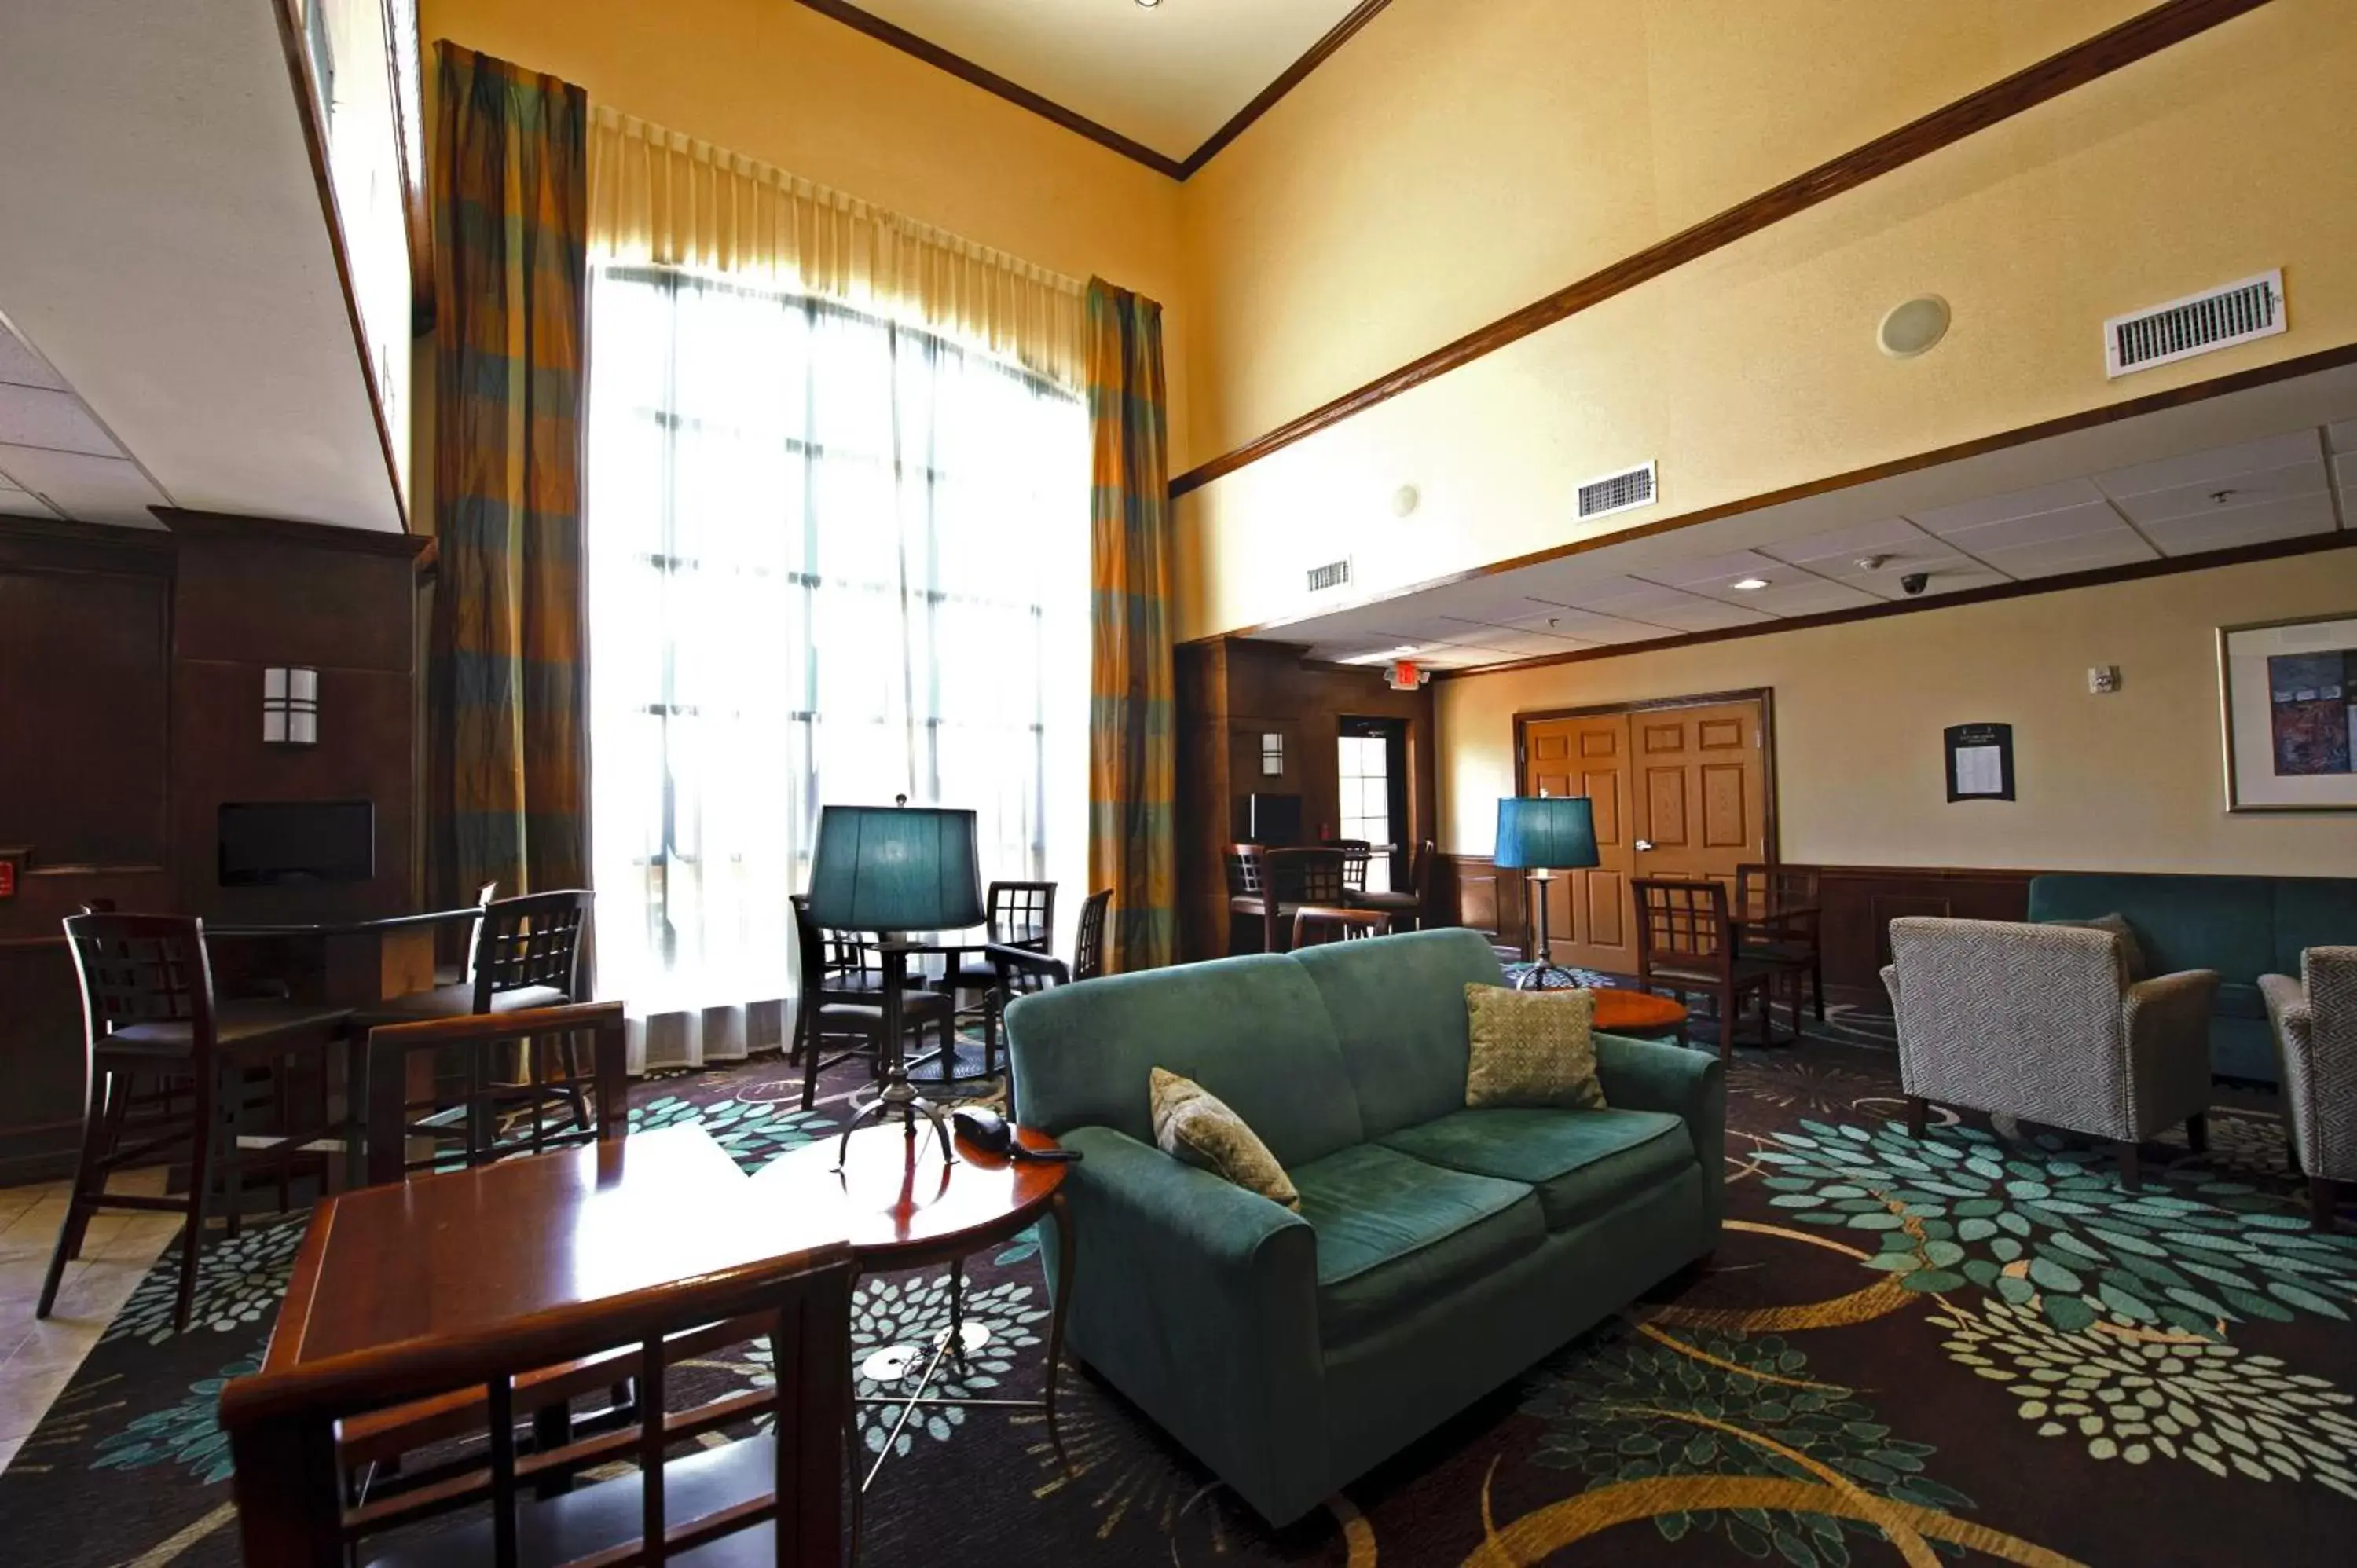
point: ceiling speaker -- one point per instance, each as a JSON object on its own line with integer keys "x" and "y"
{"x": 1914, "y": 326}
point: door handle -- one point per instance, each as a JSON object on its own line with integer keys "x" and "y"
{"x": 1645, "y": 844}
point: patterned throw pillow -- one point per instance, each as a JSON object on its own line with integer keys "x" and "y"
{"x": 2132, "y": 964}
{"x": 1531, "y": 1047}
{"x": 1192, "y": 1125}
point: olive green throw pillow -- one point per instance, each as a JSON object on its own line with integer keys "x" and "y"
{"x": 1192, "y": 1125}
{"x": 1531, "y": 1047}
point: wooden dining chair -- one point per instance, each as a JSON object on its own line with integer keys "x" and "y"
{"x": 149, "y": 1010}
{"x": 1792, "y": 939}
{"x": 1314, "y": 924}
{"x": 1356, "y": 855}
{"x": 692, "y": 1485}
{"x": 1019, "y": 915}
{"x": 462, "y": 972}
{"x": 1248, "y": 891}
{"x": 1297, "y": 878}
{"x": 1686, "y": 943}
{"x": 1089, "y": 946}
{"x": 477, "y": 1039}
{"x": 826, "y": 1012}
{"x": 1405, "y": 906}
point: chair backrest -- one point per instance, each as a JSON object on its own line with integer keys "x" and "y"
{"x": 1314, "y": 924}
{"x": 1089, "y": 948}
{"x": 1307, "y": 876}
{"x": 1760, "y": 886}
{"x": 1682, "y": 927}
{"x": 289, "y": 1483}
{"x": 1247, "y": 871}
{"x": 385, "y": 1138}
{"x": 1356, "y": 853}
{"x": 535, "y": 940}
{"x": 142, "y": 969}
{"x": 1419, "y": 871}
{"x": 1023, "y": 913}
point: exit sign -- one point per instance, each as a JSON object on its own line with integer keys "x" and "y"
{"x": 12, "y": 870}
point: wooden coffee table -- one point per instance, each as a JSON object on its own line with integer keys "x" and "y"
{"x": 1638, "y": 1013}
{"x": 903, "y": 1209}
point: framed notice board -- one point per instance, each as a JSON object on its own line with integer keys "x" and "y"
{"x": 1980, "y": 762}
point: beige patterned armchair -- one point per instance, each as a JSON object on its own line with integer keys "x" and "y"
{"x": 2041, "y": 1022}
{"x": 2315, "y": 1020}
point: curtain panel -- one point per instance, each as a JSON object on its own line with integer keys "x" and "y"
{"x": 508, "y": 721}
{"x": 1132, "y": 843}
{"x": 661, "y": 197}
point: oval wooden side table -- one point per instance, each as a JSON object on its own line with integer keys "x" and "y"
{"x": 1638, "y": 1013}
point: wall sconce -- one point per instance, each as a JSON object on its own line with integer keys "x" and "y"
{"x": 290, "y": 706}
{"x": 1271, "y": 756}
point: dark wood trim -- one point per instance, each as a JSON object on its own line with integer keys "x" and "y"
{"x": 318, "y": 535}
{"x": 990, "y": 81}
{"x": 39, "y": 544}
{"x": 2137, "y": 38}
{"x": 315, "y": 140}
{"x": 1340, "y": 34}
{"x": 2272, "y": 550}
{"x": 1763, "y": 695}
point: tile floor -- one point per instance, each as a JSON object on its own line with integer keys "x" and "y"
{"x": 38, "y": 1356}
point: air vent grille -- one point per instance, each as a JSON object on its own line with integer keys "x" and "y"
{"x": 1333, "y": 575}
{"x": 1617, "y": 492}
{"x": 2199, "y": 324}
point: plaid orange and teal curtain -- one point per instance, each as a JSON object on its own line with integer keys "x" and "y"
{"x": 508, "y": 722}
{"x": 1132, "y": 841}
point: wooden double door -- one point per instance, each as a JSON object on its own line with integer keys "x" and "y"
{"x": 1679, "y": 791}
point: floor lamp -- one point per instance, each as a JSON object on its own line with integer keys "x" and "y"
{"x": 1540, "y": 834}
{"x": 892, "y": 870}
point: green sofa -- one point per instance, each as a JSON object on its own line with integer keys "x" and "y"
{"x": 1438, "y": 1250}
{"x": 2242, "y": 927}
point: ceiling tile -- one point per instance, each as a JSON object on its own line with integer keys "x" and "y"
{"x": 2218, "y": 463}
{"x": 1589, "y": 627}
{"x": 1699, "y": 614}
{"x": 1802, "y": 596}
{"x": 1534, "y": 644}
{"x": 2344, "y": 471}
{"x": 86, "y": 488}
{"x": 1710, "y": 570}
{"x": 2342, "y": 436}
{"x": 1945, "y": 568}
{"x": 2086, "y": 553}
{"x": 2225, "y": 529}
{"x": 2041, "y": 529}
{"x": 1999, "y": 509}
{"x": 1893, "y": 536}
{"x": 34, "y": 416}
{"x": 19, "y": 366}
{"x": 2240, "y": 490}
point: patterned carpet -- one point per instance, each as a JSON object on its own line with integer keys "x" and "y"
{"x": 1975, "y": 1347}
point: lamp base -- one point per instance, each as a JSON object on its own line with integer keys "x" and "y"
{"x": 897, "y": 1096}
{"x": 1544, "y": 976}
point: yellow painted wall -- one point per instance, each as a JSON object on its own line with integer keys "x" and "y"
{"x": 1454, "y": 162}
{"x": 780, "y": 82}
{"x": 2131, "y": 781}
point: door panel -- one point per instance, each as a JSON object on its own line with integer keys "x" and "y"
{"x": 1704, "y": 801}
{"x": 1587, "y": 911}
{"x": 1725, "y": 822}
{"x": 1665, "y": 807}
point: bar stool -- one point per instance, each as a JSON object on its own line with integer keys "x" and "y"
{"x": 148, "y": 1007}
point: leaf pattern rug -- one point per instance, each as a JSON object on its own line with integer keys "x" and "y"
{"x": 1975, "y": 1348}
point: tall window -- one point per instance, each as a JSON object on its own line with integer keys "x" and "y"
{"x": 832, "y": 559}
{"x": 1373, "y": 783}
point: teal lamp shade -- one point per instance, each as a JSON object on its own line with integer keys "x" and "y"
{"x": 1545, "y": 832}
{"x": 895, "y": 868}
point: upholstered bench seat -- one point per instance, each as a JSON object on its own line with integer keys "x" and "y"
{"x": 1394, "y": 1233}
{"x": 1581, "y": 1163}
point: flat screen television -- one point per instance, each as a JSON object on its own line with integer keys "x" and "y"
{"x": 1273, "y": 820}
{"x": 268, "y": 844}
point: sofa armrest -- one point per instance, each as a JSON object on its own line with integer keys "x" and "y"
{"x": 2166, "y": 1022}
{"x": 1642, "y": 1075}
{"x": 1199, "y": 1300}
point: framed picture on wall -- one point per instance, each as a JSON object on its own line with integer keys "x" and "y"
{"x": 2287, "y": 694}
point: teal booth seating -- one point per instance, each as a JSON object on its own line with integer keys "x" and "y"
{"x": 1438, "y": 1250}
{"x": 2242, "y": 927}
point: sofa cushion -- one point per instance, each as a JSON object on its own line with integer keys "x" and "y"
{"x": 1531, "y": 1047}
{"x": 1398, "y": 1006}
{"x": 1581, "y": 1162}
{"x": 1251, "y": 1030}
{"x": 1395, "y": 1234}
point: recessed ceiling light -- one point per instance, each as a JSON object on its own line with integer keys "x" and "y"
{"x": 1149, "y": 4}
{"x": 1749, "y": 583}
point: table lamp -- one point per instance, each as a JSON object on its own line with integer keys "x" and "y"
{"x": 1544, "y": 834}
{"x": 892, "y": 870}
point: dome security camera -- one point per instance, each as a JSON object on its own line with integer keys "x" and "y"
{"x": 1915, "y": 582}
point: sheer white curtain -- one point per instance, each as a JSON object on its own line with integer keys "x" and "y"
{"x": 832, "y": 559}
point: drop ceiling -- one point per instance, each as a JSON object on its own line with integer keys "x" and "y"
{"x": 1166, "y": 76}
{"x": 2254, "y": 467}
{"x": 179, "y": 329}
